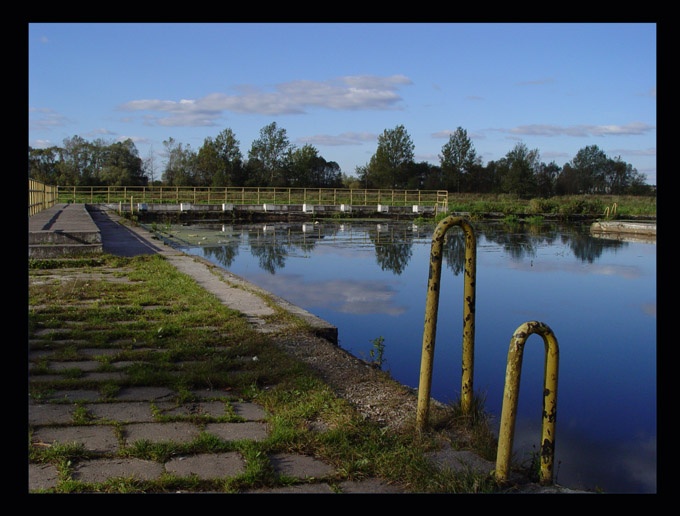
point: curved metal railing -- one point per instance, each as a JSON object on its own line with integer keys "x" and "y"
{"x": 431, "y": 311}
{"x": 511, "y": 395}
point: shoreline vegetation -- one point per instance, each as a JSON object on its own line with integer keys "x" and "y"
{"x": 598, "y": 206}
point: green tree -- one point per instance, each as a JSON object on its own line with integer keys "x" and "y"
{"x": 389, "y": 166}
{"x": 179, "y": 167}
{"x": 482, "y": 179}
{"x": 301, "y": 161}
{"x": 546, "y": 175}
{"x": 424, "y": 176}
{"x": 621, "y": 177}
{"x": 518, "y": 171}
{"x": 590, "y": 169}
{"x": 307, "y": 168}
{"x": 43, "y": 164}
{"x": 229, "y": 153}
{"x": 457, "y": 160}
{"x": 267, "y": 156}
{"x": 119, "y": 164}
{"x": 208, "y": 165}
{"x": 76, "y": 166}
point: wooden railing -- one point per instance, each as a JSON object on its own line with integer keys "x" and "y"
{"x": 40, "y": 196}
{"x": 249, "y": 195}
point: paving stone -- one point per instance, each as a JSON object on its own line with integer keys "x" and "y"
{"x": 104, "y": 377}
{"x": 45, "y": 378}
{"x": 103, "y": 352}
{"x": 44, "y": 332}
{"x": 300, "y": 466}
{"x": 122, "y": 364}
{"x": 249, "y": 411}
{"x": 35, "y": 354}
{"x": 237, "y": 431}
{"x": 460, "y": 461}
{"x": 133, "y": 411}
{"x": 174, "y": 431}
{"x": 83, "y": 365}
{"x": 208, "y": 408}
{"x": 296, "y": 489}
{"x": 75, "y": 395}
{"x": 39, "y": 414}
{"x": 104, "y": 469}
{"x": 144, "y": 393}
{"x": 207, "y": 465}
{"x": 211, "y": 393}
{"x": 97, "y": 438}
{"x": 370, "y": 485}
{"x": 42, "y": 476}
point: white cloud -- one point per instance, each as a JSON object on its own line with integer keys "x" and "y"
{"x": 633, "y": 128}
{"x": 46, "y": 119}
{"x": 342, "y": 295}
{"x": 651, "y": 151}
{"x": 350, "y": 138}
{"x": 449, "y": 132}
{"x": 360, "y": 92}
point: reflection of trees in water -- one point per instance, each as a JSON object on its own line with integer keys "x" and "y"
{"x": 273, "y": 245}
{"x": 588, "y": 248}
{"x": 522, "y": 240}
{"x": 224, "y": 254}
{"x": 514, "y": 239}
{"x": 271, "y": 257}
{"x": 393, "y": 249}
{"x": 453, "y": 250}
{"x": 393, "y": 243}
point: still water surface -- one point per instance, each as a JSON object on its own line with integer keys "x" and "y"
{"x": 598, "y": 296}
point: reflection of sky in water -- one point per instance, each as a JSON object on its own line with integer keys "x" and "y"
{"x": 598, "y": 296}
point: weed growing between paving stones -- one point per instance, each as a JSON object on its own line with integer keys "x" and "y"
{"x": 163, "y": 330}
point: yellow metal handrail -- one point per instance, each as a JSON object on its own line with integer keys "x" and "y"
{"x": 431, "y": 309}
{"x": 510, "y": 400}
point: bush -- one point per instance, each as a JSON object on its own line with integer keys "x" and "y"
{"x": 582, "y": 207}
{"x": 538, "y": 206}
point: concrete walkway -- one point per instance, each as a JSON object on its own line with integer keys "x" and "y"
{"x": 52, "y": 418}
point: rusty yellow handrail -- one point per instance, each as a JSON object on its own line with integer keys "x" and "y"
{"x": 431, "y": 309}
{"x": 510, "y": 400}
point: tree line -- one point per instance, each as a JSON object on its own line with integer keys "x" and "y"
{"x": 273, "y": 161}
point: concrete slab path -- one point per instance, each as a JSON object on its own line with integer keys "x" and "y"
{"x": 129, "y": 417}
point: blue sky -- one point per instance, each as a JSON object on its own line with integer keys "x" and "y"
{"x": 555, "y": 87}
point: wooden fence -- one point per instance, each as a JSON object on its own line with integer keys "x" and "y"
{"x": 249, "y": 195}
{"x": 40, "y": 196}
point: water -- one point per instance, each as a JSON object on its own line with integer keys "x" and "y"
{"x": 598, "y": 296}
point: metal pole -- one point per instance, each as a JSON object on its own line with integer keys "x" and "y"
{"x": 431, "y": 309}
{"x": 511, "y": 395}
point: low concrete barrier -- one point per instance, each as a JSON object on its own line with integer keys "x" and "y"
{"x": 269, "y": 208}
